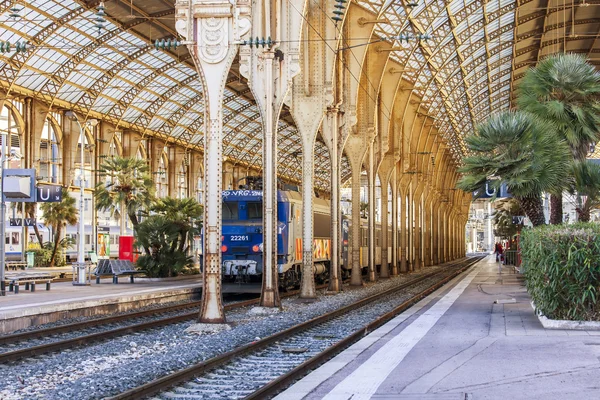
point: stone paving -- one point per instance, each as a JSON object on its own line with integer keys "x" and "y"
{"x": 486, "y": 344}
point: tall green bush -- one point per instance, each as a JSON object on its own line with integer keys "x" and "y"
{"x": 562, "y": 268}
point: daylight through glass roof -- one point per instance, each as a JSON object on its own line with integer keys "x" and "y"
{"x": 468, "y": 69}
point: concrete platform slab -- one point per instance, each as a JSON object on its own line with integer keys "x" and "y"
{"x": 18, "y": 311}
{"x": 459, "y": 343}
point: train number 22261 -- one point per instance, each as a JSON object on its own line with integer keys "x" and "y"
{"x": 240, "y": 238}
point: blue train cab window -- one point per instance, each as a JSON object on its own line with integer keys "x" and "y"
{"x": 254, "y": 209}
{"x": 230, "y": 210}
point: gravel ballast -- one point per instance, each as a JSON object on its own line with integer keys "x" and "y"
{"x": 116, "y": 365}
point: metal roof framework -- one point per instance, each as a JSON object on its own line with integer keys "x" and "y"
{"x": 469, "y": 68}
{"x": 479, "y": 50}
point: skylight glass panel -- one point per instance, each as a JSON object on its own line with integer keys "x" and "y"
{"x": 31, "y": 80}
{"x": 131, "y": 114}
{"x": 457, "y": 5}
{"x": 156, "y": 122}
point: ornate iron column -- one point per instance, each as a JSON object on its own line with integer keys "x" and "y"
{"x": 211, "y": 29}
{"x": 418, "y": 234}
{"x": 385, "y": 269}
{"x": 394, "y": 269}
{"x": 331, "y": 134}
{"x": 270, "y": 65}
{"x": 403, "y": 231}
{"x": 372, "y": 277}
{"x": 356, "y": 275}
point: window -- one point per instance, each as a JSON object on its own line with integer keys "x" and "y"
{"x": 182, "y": 181}
{"x": 10, "y": 126}
{"x": 254, "y": 210}
{"x": 200, "y": 191}
{"x": 88, "y": 157}
{"x": 161, "y": 176}
{"x": 50, "y": 161}
{"x": 230, "y": 211}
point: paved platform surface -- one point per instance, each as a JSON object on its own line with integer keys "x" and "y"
{"x": 477, "y": 338}
{"x": 63, "y": 295}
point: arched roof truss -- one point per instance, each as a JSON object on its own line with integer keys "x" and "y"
{"x": 469, "y": 68}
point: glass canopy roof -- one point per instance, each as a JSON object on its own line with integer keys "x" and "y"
{"x": 466, "y": 71}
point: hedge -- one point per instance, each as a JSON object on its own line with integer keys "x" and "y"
{"x": 562, "y": 270}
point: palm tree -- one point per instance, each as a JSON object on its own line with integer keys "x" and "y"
{"x": 30, "y": 212}
{"x": 520, "y": 151}
{"x": 505, "y": 210}
{"x": 127, "y": 187}
{"x": 183, "y": 213}
{"x": 563, "y": 90}
{"x": 586, "y": 183}
{"x": 57, "y": 215}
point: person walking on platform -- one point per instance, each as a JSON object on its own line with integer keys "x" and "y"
{"x": 498, "y": 251}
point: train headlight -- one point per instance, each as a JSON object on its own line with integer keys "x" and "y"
{"x": 255, "y": 248}
{"x": 223, "y": 249}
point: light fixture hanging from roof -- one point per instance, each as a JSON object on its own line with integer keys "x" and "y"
{"x": 14, "y": 12}
{"x": 338, "y": 13}
{"x": 100, "y": 20}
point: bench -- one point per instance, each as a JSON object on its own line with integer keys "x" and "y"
{"x": 115, "y": 268}
{"x": 15, "y": 265}
{"x": 29, "y": 280}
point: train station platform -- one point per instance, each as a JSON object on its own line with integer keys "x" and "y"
{"x": 19, "y": 311}
{"x": 476, "y": 338}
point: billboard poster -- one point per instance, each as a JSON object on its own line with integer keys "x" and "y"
{"x": 103, "y": 242}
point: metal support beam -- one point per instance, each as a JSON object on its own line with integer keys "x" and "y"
{"x": 372, "y": 277}
{"x": 403, "y": 230}
{"x": 213, "y": 61}
{"x": 394, "y": 245}
{"x": 308, "y": 290}
{"x": 331, "y": 135}
{"x": 384, "y": 272}
{"x": 356, "y": 275}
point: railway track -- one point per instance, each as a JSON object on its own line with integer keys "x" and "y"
{"x": 24, "y": 345}
{"x": 260, "y": 369}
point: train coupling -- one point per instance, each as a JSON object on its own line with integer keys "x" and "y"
{"x": 239, "y": 267}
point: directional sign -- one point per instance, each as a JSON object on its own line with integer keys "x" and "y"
{"x": 489, "y": 191}
{"x": 49, "y": 193}
{"x": 20, "y": 221}
{"x": 518, "y": 219}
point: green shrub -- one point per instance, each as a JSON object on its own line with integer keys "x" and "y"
{"x": 562, "y": 268}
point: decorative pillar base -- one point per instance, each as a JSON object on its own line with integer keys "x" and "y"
{"x": 269, "y": 298}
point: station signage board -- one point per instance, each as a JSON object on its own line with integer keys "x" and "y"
{"x": 489, "y": 191}
{"x": 49, "y": 193}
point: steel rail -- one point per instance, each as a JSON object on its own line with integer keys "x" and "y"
{"x": 86, "y": 339}
{"x": 284, "y": 381}
{"x": 175, "y": 378}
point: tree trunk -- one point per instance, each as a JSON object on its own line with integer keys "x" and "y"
{"x": 584, "y": 211}
{"x": 533, "y": 208}
{"x": 135, "y": 223}
{"x": 36, "y": 229}
{"x": 56, "y": 241}
{"x": 556, "y": 209}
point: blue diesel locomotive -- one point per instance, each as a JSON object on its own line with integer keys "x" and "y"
{"x": 242, "y": 236}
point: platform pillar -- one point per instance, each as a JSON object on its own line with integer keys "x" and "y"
{"x": 200, "y": 24}
{"x": 435, "y": 233}
{"x": 442, "y": 235}
{"x": 270, "y": 69}
{"x": 372, "y": 272}
{"x": 403, "y": 231}
{"x": 418, "y": 235}
{"x": 356, "y": 274}
{"x": 426, "y": 235}
{"x": 311, "y": 94}
{"x": 394, "y": 266}
{"x": 330, "y": 132}
{"x": 384, "y": 272}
